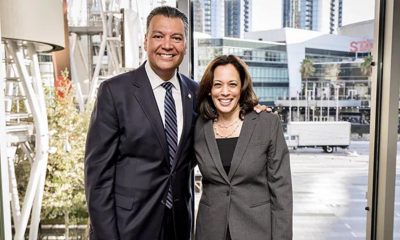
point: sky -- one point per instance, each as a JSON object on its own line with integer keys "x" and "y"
{"x": 267, "y": 14}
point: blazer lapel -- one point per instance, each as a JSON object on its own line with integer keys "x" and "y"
{"x": 187, "y": 107}
{"x": 245, "y": 135}
{"x": 145, "y": 96}
{"x": 213, "y": 149}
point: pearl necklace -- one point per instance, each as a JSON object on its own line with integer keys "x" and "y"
{"x": 217, "y": 133}
{"x": 226, "y": 126}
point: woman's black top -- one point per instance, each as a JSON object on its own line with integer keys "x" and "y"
{"x": 226, "y": 148}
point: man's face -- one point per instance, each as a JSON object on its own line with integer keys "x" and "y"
{"x": 165, "y": 43}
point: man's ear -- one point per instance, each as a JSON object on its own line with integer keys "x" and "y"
{"x": 185, "y": 49}
{"x": 145, "y": 42}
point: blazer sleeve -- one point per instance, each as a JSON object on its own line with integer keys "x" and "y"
{"x": 100, "y": 158}
{"x": 280, "y": 184}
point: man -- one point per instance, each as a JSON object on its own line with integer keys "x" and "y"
{"x": 139, "y": 144}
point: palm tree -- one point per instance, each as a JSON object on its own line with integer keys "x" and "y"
{"x": 366, "y": 69}
{"x": 366, "y": 66}
{"x": 307, "y": 69}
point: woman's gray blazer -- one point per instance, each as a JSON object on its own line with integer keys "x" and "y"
{"x": 255, "y": 199}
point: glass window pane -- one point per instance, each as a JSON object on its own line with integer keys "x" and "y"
{"x": 331, "y": 98}
{"x": 396, "y": 227}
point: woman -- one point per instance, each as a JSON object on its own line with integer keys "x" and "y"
{"x": 243, "y": 158}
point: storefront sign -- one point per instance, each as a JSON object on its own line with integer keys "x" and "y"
{"x": 361, "y": 46}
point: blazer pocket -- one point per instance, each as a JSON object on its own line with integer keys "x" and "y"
{"x": 258, "y": 143}
{"x": 260, "y": 204}
{"x": 124, "y": 201}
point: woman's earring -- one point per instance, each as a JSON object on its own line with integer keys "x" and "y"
{"x": 209, "y": 94}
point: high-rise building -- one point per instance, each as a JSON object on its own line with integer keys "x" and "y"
{"x": 198, "y": 16}
{"x": 217, "y": 18}
{"x": 237, "y": 17}
{"x": 228, "y": 18}
{"x": 209, "y": 17}
{"x": 266, "y": 61}
{"x": 317, "y": 15}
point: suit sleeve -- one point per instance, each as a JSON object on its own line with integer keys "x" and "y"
{"x": 196, "y": 116}
{"x": 100, "y": 158}
{"x": 280, "y": 184}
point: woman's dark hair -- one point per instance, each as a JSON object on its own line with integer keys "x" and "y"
{"x": 248, "y": 99}
{"x": 170, "y": 12}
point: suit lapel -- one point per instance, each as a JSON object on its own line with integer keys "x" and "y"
{"x": 245, "y": 135}
{"x": 213, "y": 149}
{"x": 145, "y": 96}
{"x": 187, "y": 107}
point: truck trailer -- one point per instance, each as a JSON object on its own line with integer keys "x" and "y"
{"x": 327, "y": 135}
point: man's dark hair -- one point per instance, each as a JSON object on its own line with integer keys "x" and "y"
{"x": 170, "y": 12}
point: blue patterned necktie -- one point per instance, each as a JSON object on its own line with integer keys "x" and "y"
{"x": 171, "y": 132}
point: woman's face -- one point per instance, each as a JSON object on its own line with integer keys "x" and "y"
{"x": 225, "y": 91}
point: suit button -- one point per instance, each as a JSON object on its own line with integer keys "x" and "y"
{"x": 228, "y": 192}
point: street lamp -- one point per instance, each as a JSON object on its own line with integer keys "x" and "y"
{"x": 290, "y": 107}
{"x": 298, "y": 107}
{"x": 337, "y": 101}
{"x": 321, "y": 96}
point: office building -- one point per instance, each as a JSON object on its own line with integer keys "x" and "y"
{"x": 237, "y": 17}
{"x": 267, "y": 62}
{"x": 209, "y": 17}
{"x": 338, "y": 83}
{"x": 317, "y": 15}
{"x": 229, "y": 18}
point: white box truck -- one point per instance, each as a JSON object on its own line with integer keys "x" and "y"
{"x": 327, "y": 135}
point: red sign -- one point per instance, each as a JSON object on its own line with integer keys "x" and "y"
{"x": 361, "y": 46}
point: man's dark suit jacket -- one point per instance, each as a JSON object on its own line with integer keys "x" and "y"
{"x": 127, "y": 173}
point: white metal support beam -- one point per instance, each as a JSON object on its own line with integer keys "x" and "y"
{"x": 42, "y": 141}
{"x": 95, "y": 78}
{"x": 5, "y": 217}
{"x": 384, "y": 121}
{"x": 110, "y": 42}
{"x": 15, "y": 204}
{"x": 32, "y": 85}
{"x": 186, "y": 66}
{"x": 74, "y": 43}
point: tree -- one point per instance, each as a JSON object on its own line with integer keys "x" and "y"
{"x": 332, "y": 72}
{"x": 64, "y": 198}
{"x": 366, "y": 66}
{"x": 307, "y": 69}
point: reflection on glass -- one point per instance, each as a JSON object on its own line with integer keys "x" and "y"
{"x": 319, "y": 78}
{"x": 396, "y": 226}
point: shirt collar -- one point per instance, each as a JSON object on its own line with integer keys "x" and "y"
{"x": 156, "y": 81}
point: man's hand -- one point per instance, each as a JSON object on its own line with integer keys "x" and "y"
{"x": 262, "y": 108}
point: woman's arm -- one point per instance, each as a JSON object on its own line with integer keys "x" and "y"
{"x": 280, "y": 184}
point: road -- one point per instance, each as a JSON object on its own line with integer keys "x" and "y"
{"x": 330, "y": 193}
{"x": 362, "y": 148}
